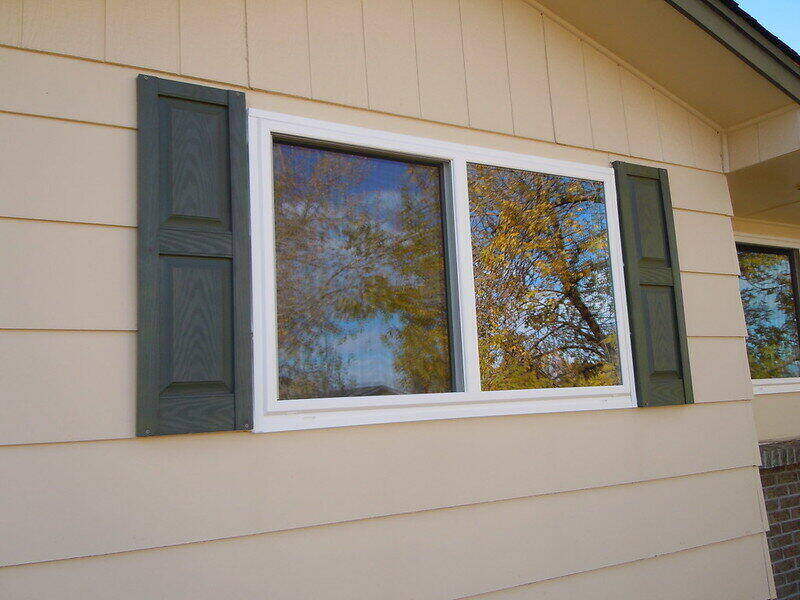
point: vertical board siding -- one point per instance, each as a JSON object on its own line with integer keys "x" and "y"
{"x": 771, "y": 137}
{"x": 391, "y": 56}
{"x": 675, "y": 130}
{"x": 10, "y": 21}
{"x": 488, "y": 92}
{"x": 336, "y": 37}
{"x": 496, "y": 65}
{"x": 76, "y": 27}
{"x": 779, "y": 135}
{"x": 98, "y": 188}
{"x": 440, "y": 61}
{"x": 143, "y": 33}
{"x": 609, "y": 130}
{"x": 641, "y": 117}
{"x": 213, "y": 40}
{"x": 527, "y": 67}
{"x": 707, "y": 145}
{"x": 743, "y": 147}
{"x": 277, "y": 41}
{"x": 568, "y": 86}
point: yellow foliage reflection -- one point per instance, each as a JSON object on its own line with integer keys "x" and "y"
{"x": 543, "y": 280}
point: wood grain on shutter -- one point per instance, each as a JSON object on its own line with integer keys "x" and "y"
{"x": 653, "y": 283}
{"x": 194, "y": 350}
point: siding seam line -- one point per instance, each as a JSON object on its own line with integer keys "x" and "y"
{"x": 366, "y": 59}
{"x": 732, "y": 402}
{"x": 464, "y": 61}
{"x": 728, "y": 216}
{"x": 508, "y": 66}
{"x": 611, "y": 566}
{"x": 416, "y": 57}
{"x": 582, "y": 49}
{"x": 66, "y": 119}
{"x": 310, "y": 65}
{"x": 395, "y": 515}
{"x": 65, "y": 222}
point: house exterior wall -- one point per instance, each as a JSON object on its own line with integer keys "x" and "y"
{"x": 561, "y": 505}
{"x": 767, "y": 137}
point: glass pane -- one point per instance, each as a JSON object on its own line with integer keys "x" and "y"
{"x": 543, "y": 283}
{"x": 769, "y": 310}
{"x": 361, "y": 287}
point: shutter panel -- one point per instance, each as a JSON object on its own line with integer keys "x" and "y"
{"x": 653, "y": 284}
{"x": 194, "y": 350}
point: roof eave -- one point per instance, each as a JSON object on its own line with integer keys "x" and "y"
{"x": 749, "y": 40}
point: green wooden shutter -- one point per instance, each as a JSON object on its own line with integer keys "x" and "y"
{"x": 194, "y": 370}
{"x": 653, "y": 284}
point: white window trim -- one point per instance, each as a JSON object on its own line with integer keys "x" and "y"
{"x": 777, "y": 385}
{"x": 270, "y": 414}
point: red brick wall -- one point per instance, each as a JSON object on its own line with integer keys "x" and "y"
{"x": 782, "y": 495}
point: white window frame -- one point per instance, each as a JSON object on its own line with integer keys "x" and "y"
{"x": 271, "y": 414}
{"x": 775, "y": 385}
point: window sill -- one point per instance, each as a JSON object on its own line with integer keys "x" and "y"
{"x": 346, "y": 417}
{"x": 776, "y": 386}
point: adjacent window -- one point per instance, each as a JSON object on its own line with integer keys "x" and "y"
{"x": 402, "y": 279}
{"x": 768, "y": 285}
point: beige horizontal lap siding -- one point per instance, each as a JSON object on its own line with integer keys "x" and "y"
{"x": 439, "y": 509}
{"x": 429, "y": 555}
{"x": 722, "y": 571}
{"x": 63, "y": 171}
{"x": 777, "y": 416}
{"x": 67, "y": 276}
{"x": 254, "y": 483}
{"x": 770, "y": 136}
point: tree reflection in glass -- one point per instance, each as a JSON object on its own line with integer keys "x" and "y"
{"x": 543, "y": 283}
{"x": 769, "y": 309}
{"x": 360, "y": 275}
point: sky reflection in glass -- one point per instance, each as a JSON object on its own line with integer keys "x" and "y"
{"x": 769, "y": 308}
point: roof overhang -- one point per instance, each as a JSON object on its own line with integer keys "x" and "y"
{"x": 710, "y": 53}
{"x": 744, "y": 36}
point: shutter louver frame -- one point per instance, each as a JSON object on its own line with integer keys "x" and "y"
{"x": 194, "y": 347}
{"x": 653, "y": 285}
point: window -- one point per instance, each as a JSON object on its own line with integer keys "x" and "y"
{"x": 361, "y": 294}
{"x": 543, "y": 283}
{"x": 768, "y": 285}
{"x": 398, "y": 279}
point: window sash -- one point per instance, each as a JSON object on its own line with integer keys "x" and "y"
{"x": 790, "y": 249}
{"x": 272, "y": 414}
